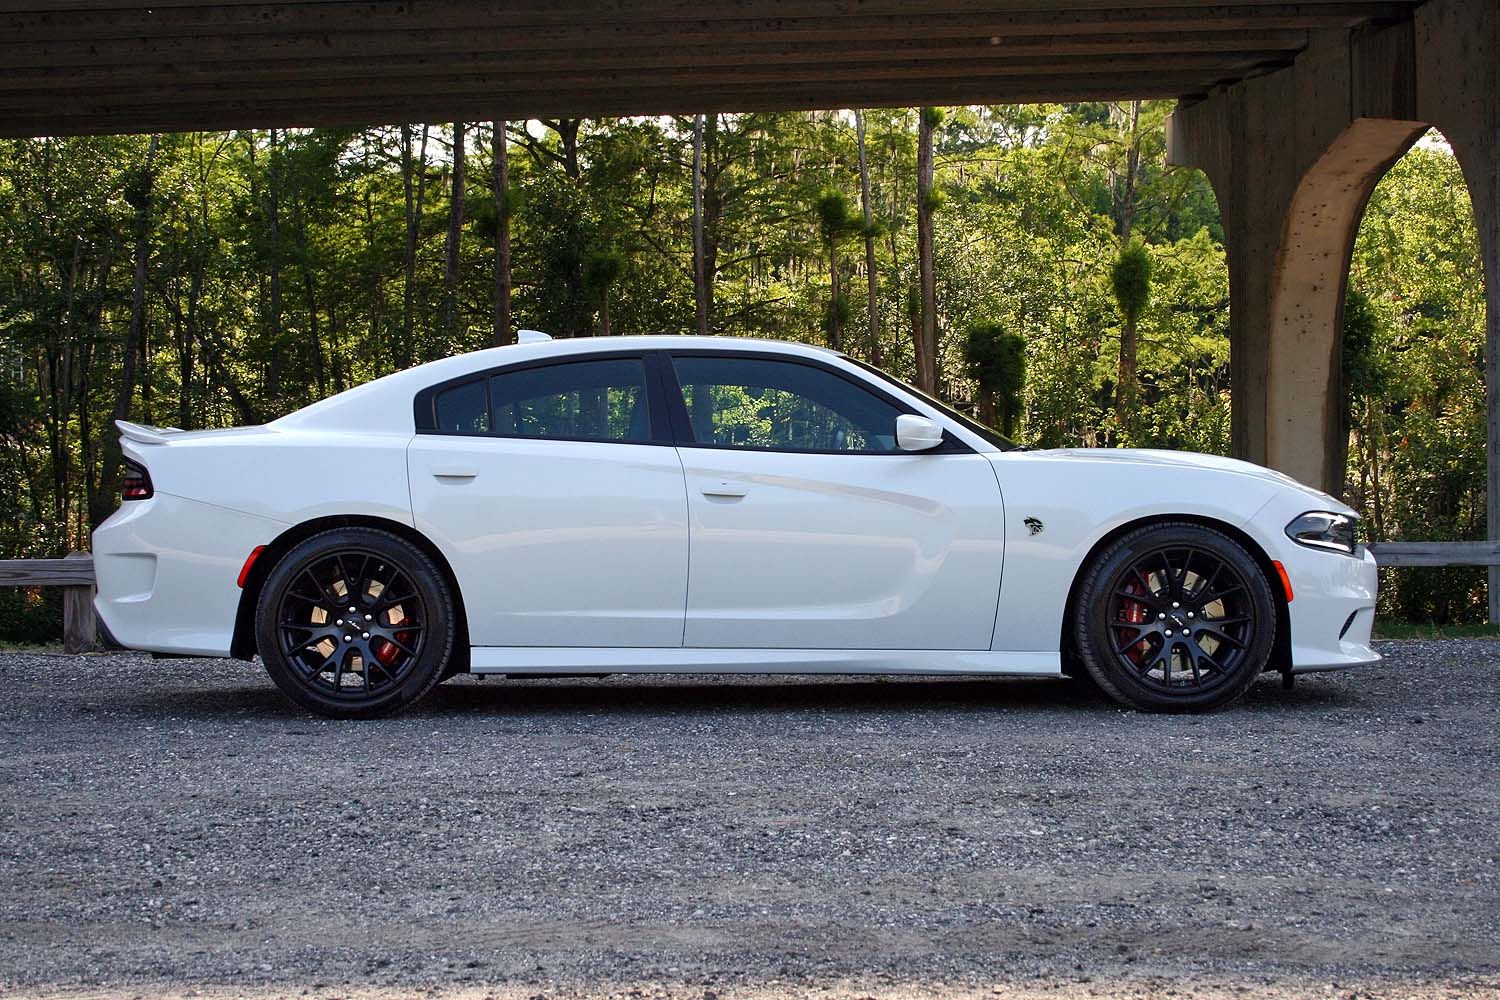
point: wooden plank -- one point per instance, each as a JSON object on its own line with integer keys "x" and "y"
{"x": 76, "y": 570}
{"x": 80, "y": 632}
{"x": 1228, "y": 49}
{"x": 19, "y": 49}
{"x": 1436, "y": 553}
{"x": 676, "y": 100}
{"x": 519, "y": 80}
{"x": 630, "y": 93}
{"x": 131, "y": 20}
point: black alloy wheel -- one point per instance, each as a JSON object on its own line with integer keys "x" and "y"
{"x": 355, "y": 623}
{"x": 1175, "y": 616}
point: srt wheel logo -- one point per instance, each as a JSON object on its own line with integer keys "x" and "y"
{"x": 1033, "y": 525}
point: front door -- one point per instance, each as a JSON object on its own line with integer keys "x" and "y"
{"x": 810, "y": 529}
{"x": 555, "y": 494}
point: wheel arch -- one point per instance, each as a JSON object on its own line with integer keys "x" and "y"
{"x": 1281, "y": 649}
{"x": 242, "y": 644}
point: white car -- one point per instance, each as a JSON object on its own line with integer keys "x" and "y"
{"x": 686, "y": 504}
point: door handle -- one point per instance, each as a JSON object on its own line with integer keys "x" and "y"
{"x": 464, "y": 474}
{"x": 724, "y": 491}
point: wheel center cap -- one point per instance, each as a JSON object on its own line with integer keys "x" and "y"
{"x": 1178, "y": 621}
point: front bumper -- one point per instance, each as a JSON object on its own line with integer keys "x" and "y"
{"x": 1332, "y": 610}
{"x": 166, "y": 571}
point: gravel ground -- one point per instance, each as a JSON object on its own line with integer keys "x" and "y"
{"x": 174, "y": 826}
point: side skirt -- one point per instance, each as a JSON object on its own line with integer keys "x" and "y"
{"x": 677, "y": 660}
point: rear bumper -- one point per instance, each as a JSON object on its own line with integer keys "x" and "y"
{"x": 166, "y": 570}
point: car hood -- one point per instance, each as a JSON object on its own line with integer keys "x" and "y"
{"x": 1193, "y": 460}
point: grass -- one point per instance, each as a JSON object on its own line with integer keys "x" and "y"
{"x": 1387, "y": 629}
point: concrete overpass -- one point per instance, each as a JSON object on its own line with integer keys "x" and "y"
{"x": 1294, "y": 109}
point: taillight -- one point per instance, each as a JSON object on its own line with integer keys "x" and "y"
{"x": 137, "y": 482}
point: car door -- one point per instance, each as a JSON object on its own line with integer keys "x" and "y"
{"x": 555, "y": 493}
{"x": 810, "y": 529}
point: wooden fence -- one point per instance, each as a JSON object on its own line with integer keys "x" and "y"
{"x": 75, "y": 574}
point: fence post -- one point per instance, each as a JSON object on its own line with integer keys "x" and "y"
{"x": 79, "y": 633}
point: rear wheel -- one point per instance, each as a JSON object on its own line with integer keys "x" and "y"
{"x": 1175, "y": 617}
{"x": 355, "y": 623}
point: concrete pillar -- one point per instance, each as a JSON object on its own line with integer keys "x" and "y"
{"x": 1293, "y": 165}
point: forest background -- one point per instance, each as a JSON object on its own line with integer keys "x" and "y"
{"x": 1038, "y": 265}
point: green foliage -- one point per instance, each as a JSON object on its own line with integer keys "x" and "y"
{"x": 839, "y": 313}
{"x": 601, "y": 270}
{"x": 1414, "y": 345}
{"x": 278, "y": 274}
{"x": 996, "y": 360}
{"x": 1364, "y": 374}
{"x": 835, "y": 216}
{"x": 1130, "y": 278}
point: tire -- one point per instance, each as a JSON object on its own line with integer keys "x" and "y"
{"x": 1174, "y": 617}
{"x": 386, "y": 655}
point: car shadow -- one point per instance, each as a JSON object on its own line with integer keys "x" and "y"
{"x": 701, "y": 694}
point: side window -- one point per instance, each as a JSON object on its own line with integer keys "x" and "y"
{"x": 758, "y": 403}
{"x": 463, "y": 409}
{"x": 602, "y": 400}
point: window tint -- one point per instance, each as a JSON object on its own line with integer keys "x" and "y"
{"x": 602, "y": 400}
{"x": 464, "y": 409}
{"x": 758, "y": 403}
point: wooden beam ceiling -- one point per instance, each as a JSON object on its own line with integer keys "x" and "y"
{"x": 78, "y": 66}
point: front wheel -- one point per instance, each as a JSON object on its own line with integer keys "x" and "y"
{"x": 1175, "y": 617}
{"x": 355, "y": 623}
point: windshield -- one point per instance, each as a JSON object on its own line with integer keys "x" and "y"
{"x": 991, "y": 435}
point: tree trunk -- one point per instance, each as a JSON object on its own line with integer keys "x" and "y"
{"x": 927, "y": 375}
{"x": 567, "y": 132}
{"x": 125, "y": 390}
{"x": 872, "y": 345}
{"x": 405, "y": 351}
{"x": 455, "y": 234}
{"x": 273, "y": 186}
{"x": 835, "y": 316}
{"x": 310, "y": 294}
{"x": 700, "y": 275}
{"x": 988, "y": 414}
{"x": 500, "y": 169}
{"x": 1125, "y": 382}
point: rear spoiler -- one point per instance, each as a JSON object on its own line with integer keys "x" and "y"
{"x": 146, "y": 435}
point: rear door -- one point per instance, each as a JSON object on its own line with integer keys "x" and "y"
{"x": 555, "y": 493}
{"x": 810, "y": 529}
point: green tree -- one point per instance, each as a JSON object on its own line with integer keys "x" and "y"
{"x": 996, "y": 360}
{"x": 1130, "y": 278}
{"x": 836, "y": 220}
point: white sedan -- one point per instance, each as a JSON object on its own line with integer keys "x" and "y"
{"x": 685, "y": 504}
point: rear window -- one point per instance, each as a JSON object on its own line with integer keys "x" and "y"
{"x": 602, "y": 399}
{"x": 464, "y": 409}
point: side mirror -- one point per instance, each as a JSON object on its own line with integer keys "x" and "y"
{"x": 914, "y": 433}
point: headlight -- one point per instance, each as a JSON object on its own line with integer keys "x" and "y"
{"x": 1323, "y": 529}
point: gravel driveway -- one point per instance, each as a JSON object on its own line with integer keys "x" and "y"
{"x": 174, "y": 825}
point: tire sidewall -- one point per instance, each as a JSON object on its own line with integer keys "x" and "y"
{"x": 437, "y": 647}
{"x": 1096, "y": 644}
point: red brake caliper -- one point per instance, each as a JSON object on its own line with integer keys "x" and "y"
{"x": 389, "y": 651}
{"x": 1133, "y": 612}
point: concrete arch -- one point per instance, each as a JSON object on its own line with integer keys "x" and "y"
{"x": 1293, "y": 157}
{"x": 1310, "y": 274}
